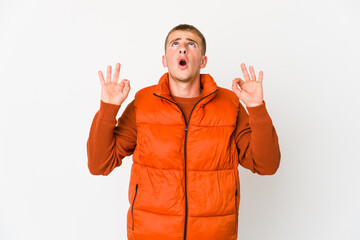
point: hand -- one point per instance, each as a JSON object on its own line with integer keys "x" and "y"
{"x": 251, "y": 92}
{"x": 112, "y": 91}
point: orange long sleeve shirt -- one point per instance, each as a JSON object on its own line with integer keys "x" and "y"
{"x": 110, "y": 140}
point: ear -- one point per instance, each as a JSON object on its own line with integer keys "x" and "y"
{"x": 164, "y": 61}
{"x": 203, "y": 61}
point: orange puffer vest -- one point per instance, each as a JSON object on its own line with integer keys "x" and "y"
{"x": 184, "y": 182}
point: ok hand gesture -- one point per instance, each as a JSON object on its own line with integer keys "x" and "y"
{"x": 112, "y": 91}
{"x": 251, "y": 92}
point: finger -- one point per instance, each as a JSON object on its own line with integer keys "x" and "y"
{"x": 101, "y": 76}
{"x": 239, "y": 81}
{"x": 245, "y": 72}
{"x": 108, "y": 74}
{"x": 261, "y": 75}
{"x": 235, "y": 87}
{"x": 127, "y": 87}
{"x": 122, "y": 85}
{"x": 252, "y": 72}
{"x": 116, "y": 73}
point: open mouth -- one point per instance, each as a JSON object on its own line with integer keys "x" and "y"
{"x": 183, "y": 63}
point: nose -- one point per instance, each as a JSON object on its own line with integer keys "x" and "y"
{"x": 182, "y": 49}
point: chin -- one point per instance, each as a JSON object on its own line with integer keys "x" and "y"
{"x": 183, "y": 76}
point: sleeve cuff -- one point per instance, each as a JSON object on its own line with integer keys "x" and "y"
{"x": 258, "y": 113}
{"x": 108, "y": 111}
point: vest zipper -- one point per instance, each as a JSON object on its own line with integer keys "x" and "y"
{"x": 236, "y": 199}
{"x": 237, "y": 217}
{"x": 186, "y": 131}
{"x": 132, "y": 207}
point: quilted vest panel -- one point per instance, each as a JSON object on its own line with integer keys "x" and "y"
{"x": 184, "y": 181}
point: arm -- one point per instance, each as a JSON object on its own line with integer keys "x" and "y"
{"x": 257, "y": 141}
{"x": 108, "y": 144}
{"x": 256, "y": 138}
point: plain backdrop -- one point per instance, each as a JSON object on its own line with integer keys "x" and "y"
{"x": 51, "y": 51}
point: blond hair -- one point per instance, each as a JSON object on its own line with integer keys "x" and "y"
{"x": 190, "y": 28}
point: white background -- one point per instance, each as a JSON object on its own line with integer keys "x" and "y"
{"x": 50, "y": 52}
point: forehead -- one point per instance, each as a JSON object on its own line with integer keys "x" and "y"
{"x": 183, "y": 35}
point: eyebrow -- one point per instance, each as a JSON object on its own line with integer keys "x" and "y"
{"x": 185, "y": 38}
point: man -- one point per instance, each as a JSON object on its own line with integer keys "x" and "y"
{"x": 187, "y": 136}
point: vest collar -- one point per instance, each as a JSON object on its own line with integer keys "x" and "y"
{"x": 206, "y": 82}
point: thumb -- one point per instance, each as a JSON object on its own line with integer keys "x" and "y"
{"x": 241, "y": 82}
{"x": 235, "y": 88}
{"x": 126, "y": 87}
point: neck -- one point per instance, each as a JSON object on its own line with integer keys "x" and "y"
{"x": 188, "y": 88}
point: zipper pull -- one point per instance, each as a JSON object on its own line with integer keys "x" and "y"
{"x": 186, "y": 127}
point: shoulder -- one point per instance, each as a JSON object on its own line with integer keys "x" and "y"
{"x": 144, "y": 97}
{"x": 227, "y": 95}
{"x": 145, "y": 91}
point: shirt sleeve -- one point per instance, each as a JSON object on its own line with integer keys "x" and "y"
{"x": 257, "y": 141}
{"x": 109, "y": 143}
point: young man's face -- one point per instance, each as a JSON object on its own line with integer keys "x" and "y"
{"x": 183, "y": 45}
